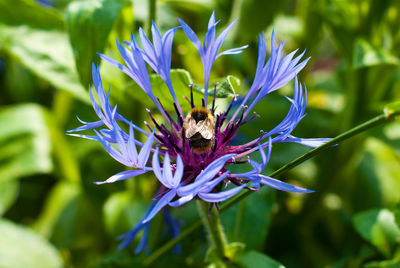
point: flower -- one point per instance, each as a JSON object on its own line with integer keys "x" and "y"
{"x": 196, "y": 148}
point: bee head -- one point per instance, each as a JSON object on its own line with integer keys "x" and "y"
{"x": 200, "y": 113}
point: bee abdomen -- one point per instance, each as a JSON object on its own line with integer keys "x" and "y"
{"x": 198, "y": 144}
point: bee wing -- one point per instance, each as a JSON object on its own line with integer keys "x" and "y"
{"x": 205, "y": 129}
{"x": 191, "y": 128}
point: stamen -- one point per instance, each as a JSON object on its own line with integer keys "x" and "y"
{"x": 227, "y": 111}
{"x": 215, "y": 95}
{"x": 170, "y": 121}
{"x": 187, "y": 99}
{"x": 215, "y": 146}
{"x": 191, "y": 96}
{"x": 180, "y": 119}
{"x": 228, "y": 135}
{"x": 251, "y": 118}
{"x": 154, "y": 121}
{"x": 241, "y": 115}
{"x": 148, "y": 126}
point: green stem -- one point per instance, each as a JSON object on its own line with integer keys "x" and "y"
{"x": 388, "y": 115}
{"x": 215, "y": 233}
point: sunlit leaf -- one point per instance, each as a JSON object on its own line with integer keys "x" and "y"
{"x": 47, "y": 54}
{"x": 62, "y": 196}
{"x": 21, "y": 247}
{"x": 89, "y": 24}
{"x": 224, "y": 88}
{"x": 380, "y": 171}
{"x": 25, "y": 145}
{"x": 383, "y": 264}
{"x": 366, "y": 55}
{"x": 8, "y": 194}
{"x": 191, "y": 5}
{"x": 378, "y": 227}
{"x": 30, "y": 13}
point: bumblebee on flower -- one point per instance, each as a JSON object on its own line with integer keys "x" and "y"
{"x": 195, "y": 145}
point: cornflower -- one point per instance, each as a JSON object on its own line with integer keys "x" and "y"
{"x": 196, "y": 148}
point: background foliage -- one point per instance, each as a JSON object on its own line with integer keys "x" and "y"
{"x": 51, "y": 213}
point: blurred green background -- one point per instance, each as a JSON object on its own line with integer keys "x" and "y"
{"x": 51, "y": 213}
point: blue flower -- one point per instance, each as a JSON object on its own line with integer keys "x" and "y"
{"x": 197, "y": 151}
{"x": 209, "y": 49}
{"x": 127, "y": 153}
{"x": 201, "y": 186}
{"x": 256, "y": 178}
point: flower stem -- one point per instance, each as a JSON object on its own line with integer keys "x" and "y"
{"x": 390, "y": 112}
{"x": 215, "y": 232}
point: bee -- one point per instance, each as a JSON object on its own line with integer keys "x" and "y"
{"x": 199, "y": 130}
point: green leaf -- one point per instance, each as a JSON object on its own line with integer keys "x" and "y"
{"x": 47, "y": 54}
{"x": 225, "y": 88}
{"x": 21, "y": 247}
{"x": 397, "y": 214}
{"x": 378, "y": 227}
{"x": 380, "y": 173}
{"x": 190, "y": 5}
{"x": 366, "y": 55}
{"x": 59, "y": 201}
{"x": 234, "y": 250}
{"x": 8, "y": 194}
{"x": 89, "y": 24}
{"x": 255, "y": 16}
{"x": 30, "y": 13}
{"x": 395, "y": 263}
{"x": 25, "y": 146}
{"x": 34, "y": 36}
{"x": 252, "y": 259}
{"x": 258, "y": 208}
{"x": 121, "y": 213}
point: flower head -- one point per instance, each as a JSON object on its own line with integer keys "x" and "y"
{"x": 196, "y": 148}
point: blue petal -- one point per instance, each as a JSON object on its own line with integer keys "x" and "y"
{"x": 129, "y": 236}
{"x": 87, "y": 126}
{"x": 221, "y": 196}
{"x": 207, "y": 174}
{"x": 167, "y": 172}
{"x": 211, "y": 184}
{"x": 145, "y": 151}
{"x": 183, "y": 200}
{"x": 123, "y": 176}
{"x": 192, "y": 36}
{"x": 280, "y": 185}
{"x": 116, "y": 64}
{"x": 232, "y": 51}
{"x": 143, "y": 240}
{"x": 157, "y": 170}
{"x": 132, "y": 152}
{"x": 312, "y": 142}
{"x": 160, "y": 204}
{"x": 114, "y": 153}
{"x": 178, "y": 172}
